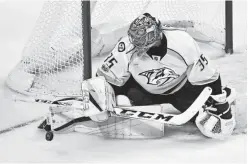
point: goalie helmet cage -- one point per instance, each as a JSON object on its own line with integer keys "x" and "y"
{"x": 57, "y": 56}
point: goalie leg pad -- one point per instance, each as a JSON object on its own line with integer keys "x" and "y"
{"x": 217, "y": 120}
{"x": 215, "y": 127}
{"x": 99, "y": 98}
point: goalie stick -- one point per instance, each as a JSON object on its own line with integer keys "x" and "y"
{"x": 135, "y": 111}
{"x": 59, "y": 102}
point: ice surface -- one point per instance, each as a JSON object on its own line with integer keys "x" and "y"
{"x": 180, "y": 144}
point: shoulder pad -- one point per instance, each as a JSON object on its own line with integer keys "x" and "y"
{"x": 123, "y": 45}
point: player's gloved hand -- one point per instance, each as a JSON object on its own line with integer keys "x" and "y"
{"x": 216, "y": 119}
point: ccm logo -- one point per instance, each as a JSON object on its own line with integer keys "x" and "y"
{"x": 147, "y": 115}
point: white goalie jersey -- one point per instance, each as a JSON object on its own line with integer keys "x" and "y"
{"x": 161, "y": 70}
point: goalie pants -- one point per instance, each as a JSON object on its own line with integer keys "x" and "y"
{"x": 181, "y": 99}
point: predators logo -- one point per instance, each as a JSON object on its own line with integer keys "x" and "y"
{"x": 159, "y": 76}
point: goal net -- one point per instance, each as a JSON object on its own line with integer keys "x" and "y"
{"x": 53, "y": 58}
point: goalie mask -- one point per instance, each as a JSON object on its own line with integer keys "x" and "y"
{"x": 144, "y": 31}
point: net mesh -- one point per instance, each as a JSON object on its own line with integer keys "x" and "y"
{"x": 208, "y": 16}
{"x": 52, "y": 62}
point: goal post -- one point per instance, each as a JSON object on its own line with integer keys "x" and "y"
{"x": 229, "y": 26}
{"x": 86, "y": 32}
{"x": 69, "y": 34}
